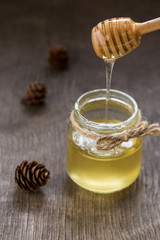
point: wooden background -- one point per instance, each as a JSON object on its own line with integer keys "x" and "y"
{"x": 62, "y": 210}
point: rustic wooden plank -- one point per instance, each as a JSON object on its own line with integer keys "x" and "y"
{"x": 62, "y": 210}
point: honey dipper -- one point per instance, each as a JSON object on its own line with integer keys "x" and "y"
{"x": 115, "y": 37}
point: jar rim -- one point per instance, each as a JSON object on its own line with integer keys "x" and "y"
{"x": 106, "y": 127}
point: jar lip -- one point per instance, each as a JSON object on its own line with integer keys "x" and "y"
{"x": 106, "y": 126}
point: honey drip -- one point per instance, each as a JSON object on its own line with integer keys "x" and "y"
{"x": 109, "y": 68}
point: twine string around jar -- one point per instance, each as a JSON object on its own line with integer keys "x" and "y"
{"x": 107, "y": 142}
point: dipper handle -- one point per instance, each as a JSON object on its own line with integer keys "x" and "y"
{"x": 148, "y": 26}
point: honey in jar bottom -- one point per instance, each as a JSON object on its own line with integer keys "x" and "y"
{"x": 103, "y": 171}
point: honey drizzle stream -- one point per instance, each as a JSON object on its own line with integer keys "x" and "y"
{"x": 109, "y": 67}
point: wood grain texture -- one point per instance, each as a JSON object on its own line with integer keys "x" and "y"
{"x": 61, "y": 210}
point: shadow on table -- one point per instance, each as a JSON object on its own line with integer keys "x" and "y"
{"x": 34, "y": 110}
{"x": 28, "y": 200}
{"x": 91, "y": 205}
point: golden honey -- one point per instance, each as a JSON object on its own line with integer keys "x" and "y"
{"x": 104, "y": 173}
{"x": 98, "y": 170}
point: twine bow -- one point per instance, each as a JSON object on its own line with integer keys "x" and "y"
{"x": 107, "y": 142}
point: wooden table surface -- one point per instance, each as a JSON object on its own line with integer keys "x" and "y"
{"x": 62, "y": 210}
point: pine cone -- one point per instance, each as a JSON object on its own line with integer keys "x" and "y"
{"x": 35, "y": 94}
{"x": 58, "y": 57}
{"x": 31, "y": 176}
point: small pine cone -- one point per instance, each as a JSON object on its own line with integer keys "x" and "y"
{"x": 35, "y": 94}
{"x": 58, "y": 57}
{"x": 31, "y": 176}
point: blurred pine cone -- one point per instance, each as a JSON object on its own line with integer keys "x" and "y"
{"x": 35, "y": 93}
{"x": 30, "y": 177}
{"x": 58, "y": 57}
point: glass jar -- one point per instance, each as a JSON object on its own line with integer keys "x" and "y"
{"x": 103, "y": 171}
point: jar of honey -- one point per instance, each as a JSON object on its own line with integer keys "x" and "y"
{"x": 103, "y": 171}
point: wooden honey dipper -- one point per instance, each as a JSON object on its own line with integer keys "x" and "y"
{"x": 115, "y": 37}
